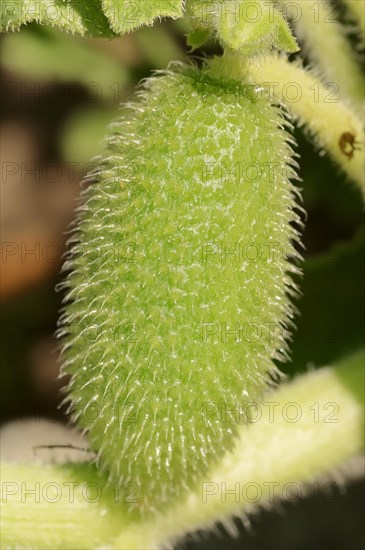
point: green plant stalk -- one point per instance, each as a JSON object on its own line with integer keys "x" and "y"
{"x": 326, "y": 43}
{"x": 330, "y": 121}
{"x": 41, "y": 520}
{"x": 308, "y": 428}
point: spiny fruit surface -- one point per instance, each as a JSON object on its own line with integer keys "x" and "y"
{"x": 178, "y": 298}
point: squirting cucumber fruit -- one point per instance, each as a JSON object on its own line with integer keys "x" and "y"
{"x": 178, "y": 297}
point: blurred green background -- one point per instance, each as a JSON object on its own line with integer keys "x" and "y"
{"x": 58, "y": 93}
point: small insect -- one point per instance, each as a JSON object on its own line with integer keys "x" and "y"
{"x": 348, "y": 144}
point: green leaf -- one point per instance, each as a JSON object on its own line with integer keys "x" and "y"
{"x": 331, "y": 322}
{"x": 248, "y": 27}
{"x": 285, "y": 39}
{"x": 88, "y": 18}
{"x": 126, "y": 15}
{"x": 197, "y": 38}
{"x": 251, "y": 33}
{"x": 75, "y": 16}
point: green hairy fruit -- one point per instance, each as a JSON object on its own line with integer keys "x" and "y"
{"x": 178, "y": 297}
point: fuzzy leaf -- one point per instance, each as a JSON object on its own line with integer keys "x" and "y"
{"x": 331, "y": 323}
{"x": 248, "y": 27}
{"x": 75, "y": 16}
{"x": 92, "y": 18}
{"x": 126, "y": 15}
{"x": 284, "y": 39}
{"x": 265, "y": 28}
{"x": 197, "y": 38}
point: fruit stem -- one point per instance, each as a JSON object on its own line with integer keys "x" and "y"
{"x": 325, "y": 41}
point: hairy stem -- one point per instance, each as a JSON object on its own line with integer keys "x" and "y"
{"x": 327, "y": 45}
{"x": 303, "y": 430}
{"x": 57, "y": 506}
{"x": 333, "y": 124}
